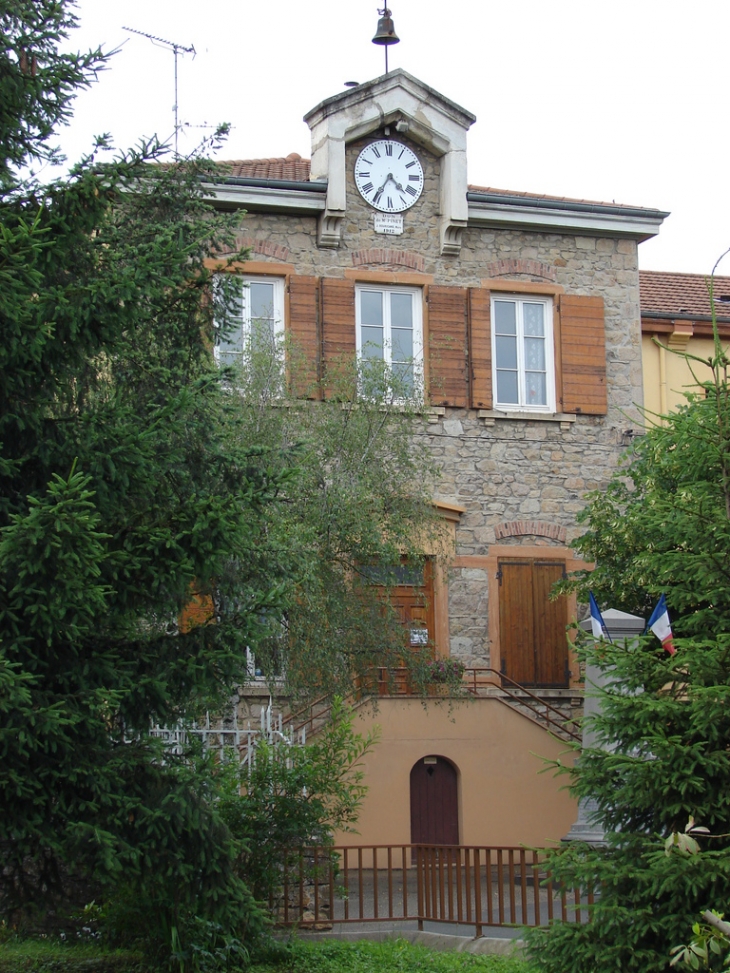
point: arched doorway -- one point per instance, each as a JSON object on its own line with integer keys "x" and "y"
{"x": 434, "y": 802}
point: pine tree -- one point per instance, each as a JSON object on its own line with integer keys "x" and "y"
{"x": 122, "y": 491}
{"x": 135, "y": 474}
{"x": 663, "y": 765}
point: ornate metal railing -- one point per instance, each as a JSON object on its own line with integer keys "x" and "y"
{"x": 227, "y": 738}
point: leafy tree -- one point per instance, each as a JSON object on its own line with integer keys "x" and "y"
{"x": 357, "y": 518}
{"x": 663, "y": 523}
{"x": 294, "y": 797}
{"x": 661, "y": 769}
{"x": 121, "y": 490}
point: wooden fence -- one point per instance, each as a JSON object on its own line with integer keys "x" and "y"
{"x": 456, "y": 884}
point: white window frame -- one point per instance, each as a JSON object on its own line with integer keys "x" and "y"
{"x": 417, "y": 309}
{"x": 523, "y": 406}
{"x": 277, "y": 308}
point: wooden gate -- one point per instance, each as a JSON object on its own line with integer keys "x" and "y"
{"x": 434, "y": 802}
{"x": 532, "y": 636}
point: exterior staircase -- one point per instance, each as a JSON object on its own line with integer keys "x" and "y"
{"x": 557, "y": 716}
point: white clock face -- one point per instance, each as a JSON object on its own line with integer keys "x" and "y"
{"x": 389, "y": 176}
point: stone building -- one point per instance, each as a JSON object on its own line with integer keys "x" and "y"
{"x": 520, "y": 313}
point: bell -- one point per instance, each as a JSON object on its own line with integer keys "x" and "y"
{"x": 385, "y": 34}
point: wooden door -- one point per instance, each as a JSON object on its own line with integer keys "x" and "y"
{"x": 532, "y": 637}
{"x": 413, "y": 602}
{"x": 434, "y": 802}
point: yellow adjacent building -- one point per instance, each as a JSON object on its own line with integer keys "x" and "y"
{"x": 676, "y": 318}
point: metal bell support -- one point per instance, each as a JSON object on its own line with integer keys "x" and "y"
{"x": 385, "y": 34}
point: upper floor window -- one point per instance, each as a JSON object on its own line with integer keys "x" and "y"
{"x": 390, "y": 330}
{"x": 522, "y": 353}
{"x": 252, "y": 318}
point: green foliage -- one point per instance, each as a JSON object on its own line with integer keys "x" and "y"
{"x": 358, "y": 510}
{"x": 121, "y": 488}
{"x": 661, "y": 758}
{"x": 663, "y": 522}
{"x": 54, "y": 956}
{"x": 392, "y": 956}
{"x": 37, "y": 82}
{"x": 709, "y": 948}
{"x": 131, "y": 476}
{"x": 294, "y": 797}
{"x": 449, "y": 672}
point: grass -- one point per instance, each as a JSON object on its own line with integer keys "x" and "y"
{"x": 52, "y": 956}
{"x": 393, "y": 956}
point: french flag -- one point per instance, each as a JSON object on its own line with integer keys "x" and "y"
{"x": 659, "y": 625}
{"x": 598, "y": 626}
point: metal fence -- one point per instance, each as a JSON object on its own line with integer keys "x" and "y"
{"x": 457, "y": 884}
{"x": 225, "y": 737}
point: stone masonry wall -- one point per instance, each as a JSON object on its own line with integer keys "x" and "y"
{"x": 536, "y": 471}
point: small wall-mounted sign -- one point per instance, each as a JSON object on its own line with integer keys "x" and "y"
{"x": 430, "y": 760}
{"x": 388, "y": 223}
{"x": 419, "y": 636}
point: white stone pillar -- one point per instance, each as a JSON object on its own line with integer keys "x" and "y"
{"x": 622, "y": 627}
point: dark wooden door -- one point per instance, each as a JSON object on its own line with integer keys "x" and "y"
{"x": 413, "y": 602}
{"x": 434, "y": 802}
{"x": 532, "y": 637}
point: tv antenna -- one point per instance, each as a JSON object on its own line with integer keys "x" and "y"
{"x": 176, "y": 49}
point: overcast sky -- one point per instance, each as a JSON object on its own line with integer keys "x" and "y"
{"x": 623, "y": 101}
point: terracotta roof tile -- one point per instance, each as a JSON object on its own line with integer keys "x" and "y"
{"x": 679, "y": 295}
{"x": 293, "y": 167}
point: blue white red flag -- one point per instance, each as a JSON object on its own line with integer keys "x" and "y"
{"x": 659, "y": 625}
{"x": 598, "y": 626}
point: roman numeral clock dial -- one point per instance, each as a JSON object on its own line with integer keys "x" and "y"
{"x": 389, "y": 176}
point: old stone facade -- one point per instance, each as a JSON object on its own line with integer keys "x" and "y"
{"x": 513, "y": 476}
{"x": 500, "y": 467}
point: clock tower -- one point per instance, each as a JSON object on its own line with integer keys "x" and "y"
{"x": 388, "y": 173}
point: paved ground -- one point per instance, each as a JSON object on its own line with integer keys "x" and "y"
{"x": 502, "y": 941}
{"x": 501, "y": 903}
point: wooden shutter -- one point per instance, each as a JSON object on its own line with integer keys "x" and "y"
{"x": 198, "y": 610}
{"x": 551, "y": 620}
{"x": 447, "y": 346}
{"x": 338, "y": 327}
{"x": 480, "y": 348}
{"x": 517, "y": 621}
{"x": 583, "y": 355}
{"x": 304, "y": 330}
{"x": 532, "y": 638}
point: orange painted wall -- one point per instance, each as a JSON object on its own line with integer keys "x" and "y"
{"x": 503, "y": 797}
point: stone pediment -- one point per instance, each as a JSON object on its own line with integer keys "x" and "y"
{"x": 407, "y": 105}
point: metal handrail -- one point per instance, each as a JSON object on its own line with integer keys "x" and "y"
{"x": 525, "y": 694}
{"x": 522, "y": 696}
